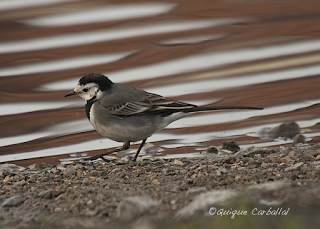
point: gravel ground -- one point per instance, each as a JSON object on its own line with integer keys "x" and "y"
{"x": 276, "y": 187}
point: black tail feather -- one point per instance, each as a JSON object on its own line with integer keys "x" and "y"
{"x": 195, "y": 109}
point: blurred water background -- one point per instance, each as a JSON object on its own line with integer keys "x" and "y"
{"x": 207, "y": 52}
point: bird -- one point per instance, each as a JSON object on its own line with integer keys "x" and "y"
{"x": 127, "y": 114}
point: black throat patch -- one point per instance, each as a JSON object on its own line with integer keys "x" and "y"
{"x": 89, "y": 105}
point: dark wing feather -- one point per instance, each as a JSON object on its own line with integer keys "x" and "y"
{"x": 151, "y": 103}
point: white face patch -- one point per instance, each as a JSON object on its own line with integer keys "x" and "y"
{"x": 87, "y": 91}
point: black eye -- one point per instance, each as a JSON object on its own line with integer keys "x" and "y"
{"x": 85, "y": 90}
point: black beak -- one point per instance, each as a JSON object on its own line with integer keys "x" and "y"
{"x": 70, "y": 93}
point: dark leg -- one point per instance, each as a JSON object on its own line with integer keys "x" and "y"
{"x": 140, "y": 147}
{"x": 126, "y": 145}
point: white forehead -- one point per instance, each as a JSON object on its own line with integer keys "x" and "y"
{"x": 81, "y": 87}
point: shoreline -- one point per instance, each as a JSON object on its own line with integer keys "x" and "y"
{"x": 164, "y": 193}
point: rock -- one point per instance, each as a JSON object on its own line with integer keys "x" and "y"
{"x": 94, "y": 173}
{"x": 12, "y": 201}
{"x": 192, "y": 191}
{"x": 299, "y": 138}
{"x": 294, "y": 167}
{"x": 58, "y": 209}
{"x": 306, "y": 157}
{"x": 133, "y": 207}
{"x": 144, "y": 224}
{"x": 269, "y": 186}
{"x": 287, "y": 161}
{"x": 70, "y": 171}
{"x": 213, "y": 150}
{"x": 49, "y": 194}
{"x": 10, "y": 168}
{"x": 177, "y": 162}
{"x": 34, "y": 167}
{"x": 61, "y": 167}
{"x": 285, "y": 130}
{"x": 155, "y": 181}
{"x": 201, "y": 204}
{"x": 151, "y": 149}
{"x": 232, "y": 146}
{"x": 268, "y": 165}
{"x": 19, "y": 183}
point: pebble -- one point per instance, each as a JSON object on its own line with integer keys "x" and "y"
{"x": 294, "y": 167}
{"x": 69, "y": 171}
{"x": 193, "y": 191}
{"x": 155, "y": 181}
{"x": 203, "y": 202}
{"x": 287, "y": 130}
{"x": 34, "y": 167}
{"x": 133, "y": 207}
{"x": 178, "y": 162}
{"x": 47, "y": 194}
{"x": 58, "y": 209}
{"x": 232, "y": 146}
{"x": 269, "y": 186}
{"x": 10, "y": 168}
{"x": 12, "y": 201}
{"x": 212, "y": 149}
{"x": 299, "y": 138}
{"x": 267, "y": 165}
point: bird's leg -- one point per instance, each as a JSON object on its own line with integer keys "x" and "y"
{"x": 126, "y": 145}
{"x": 140, "y": 147}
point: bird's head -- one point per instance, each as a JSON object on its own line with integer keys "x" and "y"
{"x": 91, "y": 86}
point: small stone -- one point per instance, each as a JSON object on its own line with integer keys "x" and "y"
{"x": 70, "y": 171}
{"x": 58, "y": 209}
{"x": 237, "y": 178}
{"x": 287, "y": 161}
{"x": 94, "y": 173}
{"x": 132, "y": 207}
{"x": 232, "y": 146}
{"x": 299, "y": 138}
{"x": 286, "y": 130}
{"x": 267, "y": 165}
{"x": 10, "y": 168}
{"x": 34, "y": 167}
{"x": 155, "y": 181}
{"x": 269, "y": 186}
{"x": 212, "y": 149}
{"x": 177, "y": 162}
{"x": 306, "y": 157}
{"x": 293, "y": 167}
{"x": 6, "y": 179}
{"x": 151, "y": 149}
{"x": 47, "y": 194}
{"x": 257, "y": 156}
{"x": 92, "y": 179}
{"x": 318, "y": 158}
{"x": 20, "y": 183}
{"x": 61, "y": 167}
{"x": 12, "y": 201}
{"x": 192, "y": 191}
{"x": 202, "y": 203}
{"x": 90, "y": 213}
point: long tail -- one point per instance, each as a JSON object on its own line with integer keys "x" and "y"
{"x": 195, "y": 109}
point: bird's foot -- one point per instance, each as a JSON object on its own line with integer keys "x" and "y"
{"x": 95, "y": 157}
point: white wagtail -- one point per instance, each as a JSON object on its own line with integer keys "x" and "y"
{"x": 124, "y": 113}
